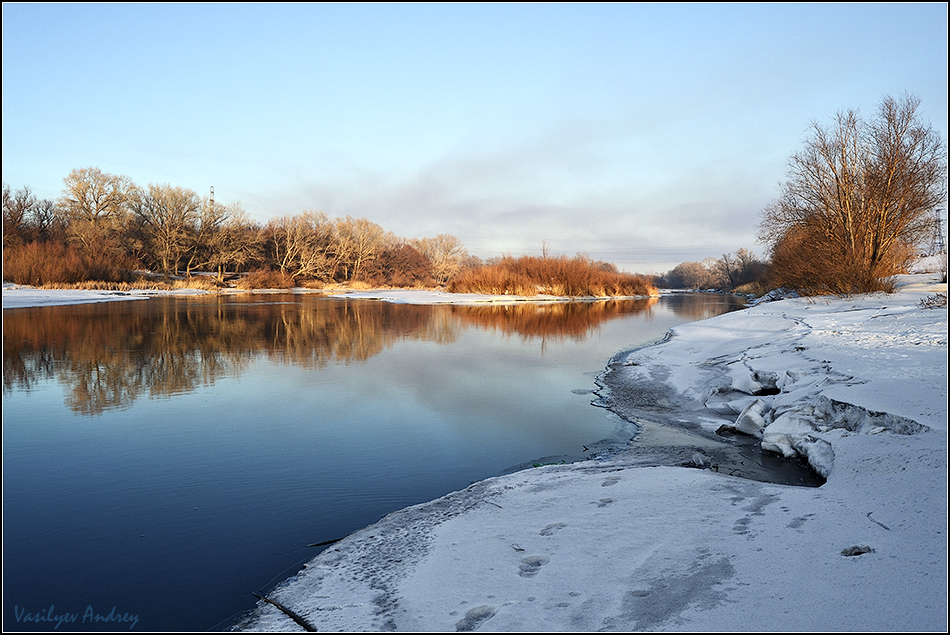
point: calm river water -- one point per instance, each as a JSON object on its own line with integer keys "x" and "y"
{"x": 164, "y": 459}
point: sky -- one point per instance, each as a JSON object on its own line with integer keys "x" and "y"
{"x": 641, "y": 134}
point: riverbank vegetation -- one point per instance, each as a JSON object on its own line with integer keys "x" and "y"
{"x": 860, "y": 204}
{"x": 105, "y": 228}
{"x": 546, "y": 275}
{"x": 741, "y": 272}
{"x": 859, "y": 201}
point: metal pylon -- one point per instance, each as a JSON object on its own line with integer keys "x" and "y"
{"x": 937, "y": 245}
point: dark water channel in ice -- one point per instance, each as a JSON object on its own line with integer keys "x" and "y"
{"x": 166, "y": 458}
{"x": 673, "y": 436}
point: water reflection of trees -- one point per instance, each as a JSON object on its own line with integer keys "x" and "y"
{"x": 109, "y": 355}
{"x": 699, "y": 306}
{"x": 553, "y": 320}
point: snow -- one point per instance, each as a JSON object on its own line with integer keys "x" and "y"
{"x": 422, "y": 296}
{"x": 930, "y": 264}
{"x": 16, "y": 296}
{"x": 857, "y": 386}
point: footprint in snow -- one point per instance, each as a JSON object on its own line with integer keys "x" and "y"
{"x": 474, "y": 618}
{"x": 553, "y": 528}
{"x": 531, "y": 565}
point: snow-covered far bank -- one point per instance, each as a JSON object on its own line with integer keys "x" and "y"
{"x": 19, "y": 297}
{"x": 422, "y": 296}
{"x": 858, "y": 386}
{"x": 16, "y": 297}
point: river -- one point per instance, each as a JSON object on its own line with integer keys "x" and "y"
{"x": 166, "y": 459}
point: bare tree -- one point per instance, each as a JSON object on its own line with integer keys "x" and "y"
{"x": 95, "y": 206}
{"x": 211, "y": 216}
{"x": 728, "y": 270}
{"x": 359, "y": 241}
{"x": 858, "y": 200}
{"x": 235, "y": 243}
{"x": 740, "y": 268}
{"x": 302, "y": 245}
{"x": 688, "y": 275}
{"x": 165, "y": 217}
{"x": 17, "y": 209}
{"x": 400, "y": 265}
{"x": 46, "y": 221}
{"x": 447, "y": 254}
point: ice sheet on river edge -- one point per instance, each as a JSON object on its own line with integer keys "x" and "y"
{"x": 613, "y": 545}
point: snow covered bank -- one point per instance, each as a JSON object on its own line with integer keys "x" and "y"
{"x": 858, "y": 386}
{"x": 422, "y": 296}
{"x": 18, "y": 297}
{"x": 785, "y": 371}
{"x": 15, "y": 296}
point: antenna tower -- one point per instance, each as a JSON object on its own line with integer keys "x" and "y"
{"x": 937, "y": 245}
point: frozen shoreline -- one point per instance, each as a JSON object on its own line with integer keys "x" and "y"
{"x": 862, "y": 391}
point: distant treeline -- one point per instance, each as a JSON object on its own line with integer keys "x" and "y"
{"x": 104, "y": 228}
{"x": 742, "y": 272}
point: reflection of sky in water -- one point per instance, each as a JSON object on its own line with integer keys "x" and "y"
{"x": 195, "y": 500}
